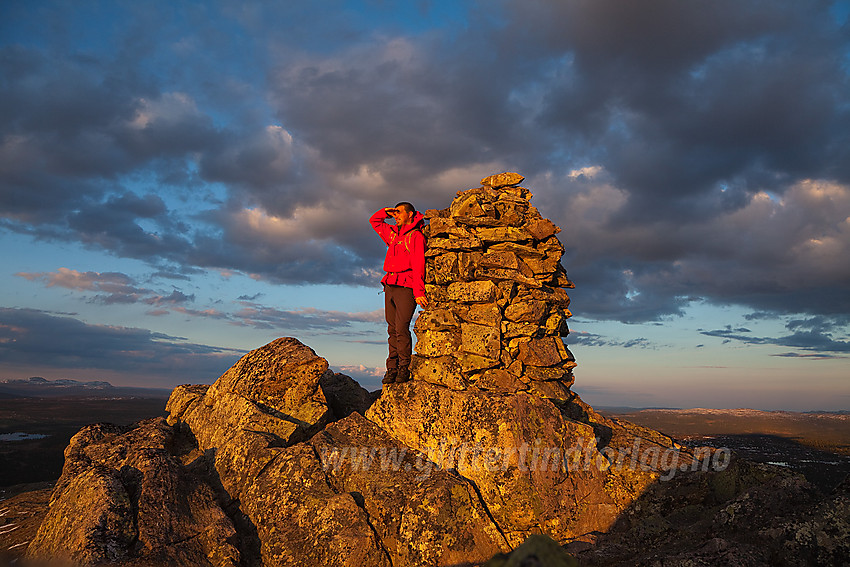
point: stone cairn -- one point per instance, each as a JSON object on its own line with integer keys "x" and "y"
{"x": 498, "y": 309}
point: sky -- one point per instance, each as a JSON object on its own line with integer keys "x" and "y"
{"x": 182, "y": 182}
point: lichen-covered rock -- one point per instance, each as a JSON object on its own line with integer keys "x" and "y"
{"x": 274, "y": 389}
{"x": 473, "y": 292}
{"x": 90, "y": 522}
{"x": 482, "y": 340}
{"x": 441, "y": 370}
{"x": 421, "y": 514}
{"x": 502, "y": 180}
{"x": 305, "y": 509}
{"x": 545, "y": 351}
{"x": 517, "y": 448}
{"x": 351, "y": 496}
{"x": 494, "y": 279}
{"x": 125, "y": 496}
{"x": 299, "y": 518}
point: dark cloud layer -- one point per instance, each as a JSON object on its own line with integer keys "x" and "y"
{"x": 814, "y": 335}
{"x": 684, "y": 96}
{"x": 689, "y": 150}
{"x": 61, "y": 342}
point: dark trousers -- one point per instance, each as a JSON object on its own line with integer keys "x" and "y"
{"x": 399, "y": 306}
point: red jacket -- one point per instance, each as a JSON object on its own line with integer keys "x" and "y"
{"x": 405, "y": 261}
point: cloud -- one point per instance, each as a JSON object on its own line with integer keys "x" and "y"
{"x": 690, "y": 151}
{"x": 173, "y": 298}
{"x": 385, "y": 103}
{"x": 816, "y": 335}
{"x": 250, "y": 297}
{"x": 303, "y": 247}
{"x": 775, "y": 255}
{"x": 680, "y": 97}
{"x": 262, "y": 161}
{"x": 30, "y": 337}
{"x": 361, "y": 371}
{"x": 263, "y": 317}
{"x": 116, "y": 224}
{"x": 206, "y": 313}
{"x": 72, "y": 126}
{"x": 109, "y": 287}
{"x": 808, "y": 356}
{"x": 588, "y": 339}
{"x": 290, "y": 321}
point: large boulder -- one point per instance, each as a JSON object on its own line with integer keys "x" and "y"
{"x": 274, "y": 390}
{"x": 125, "y": 497}
{"x": 353, "y": 495}
{"x": 538, "y": 464}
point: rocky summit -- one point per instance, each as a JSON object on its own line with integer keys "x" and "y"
{"x": 485, "y": 457}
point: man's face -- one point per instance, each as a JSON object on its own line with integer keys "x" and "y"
{"x": 402, "y": 216}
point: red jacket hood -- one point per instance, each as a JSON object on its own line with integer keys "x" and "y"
{"x": 418, "y": 222}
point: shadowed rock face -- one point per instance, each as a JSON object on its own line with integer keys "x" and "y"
{"x": 749, "y": 514}
{"x": 283, "y": 462}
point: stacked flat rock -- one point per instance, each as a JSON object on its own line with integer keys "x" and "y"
{"x": 498, "y": 310}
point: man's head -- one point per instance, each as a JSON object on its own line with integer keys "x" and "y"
{"x": 403, "y": 213}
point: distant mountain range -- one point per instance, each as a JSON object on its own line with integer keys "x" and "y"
{"x": 38, "y": 387}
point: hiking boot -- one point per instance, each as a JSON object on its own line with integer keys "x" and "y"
{"x": 403, "y": 374}
{"x": 390, "y": 376}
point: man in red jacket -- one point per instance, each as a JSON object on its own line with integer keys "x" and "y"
{"x": 404, "y": 282}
